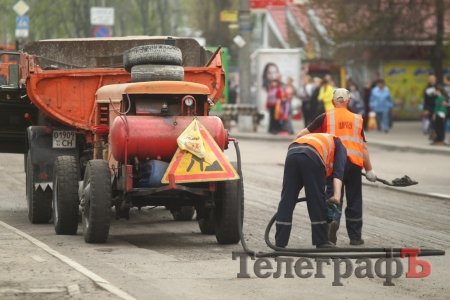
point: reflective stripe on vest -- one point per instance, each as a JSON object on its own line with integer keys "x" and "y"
{"x": 338, "y": 125}
{"x": 324, "y": 145}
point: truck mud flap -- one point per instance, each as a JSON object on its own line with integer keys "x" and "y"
{"x": 43, "y": 155}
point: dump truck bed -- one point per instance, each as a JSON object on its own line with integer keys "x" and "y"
{"x": 62, "y": 76}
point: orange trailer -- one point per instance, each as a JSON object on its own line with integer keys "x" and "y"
{"x": 110, "y": 113}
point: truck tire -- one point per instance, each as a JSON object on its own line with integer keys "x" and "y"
{"x": 152, "y": 54}
{"x": 39, "y": 202}
{"x": 144, "y": 73}
{"x": 65, "y": 195}
{"x": 184, "y": 214}
{"x": 226, "y": 210}
{"x": 96, "y": 217}
{"x": 208, "y": 225}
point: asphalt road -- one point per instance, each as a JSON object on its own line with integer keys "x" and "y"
{"x": 153, "y": 257}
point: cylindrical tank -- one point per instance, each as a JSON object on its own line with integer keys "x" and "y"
{"x": 153, "y": 137}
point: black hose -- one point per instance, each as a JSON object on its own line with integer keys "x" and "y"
{"x": 313, "y": 252}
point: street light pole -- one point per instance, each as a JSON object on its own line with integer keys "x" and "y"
{"x": 244, "y": 53}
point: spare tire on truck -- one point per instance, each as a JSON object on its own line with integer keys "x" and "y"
{"x": 144, "y": 73}
{"x": 159, "y": 54}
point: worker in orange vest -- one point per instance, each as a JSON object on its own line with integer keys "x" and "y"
{"x": 349, "y": 128}
{"x": 309, "y": 162}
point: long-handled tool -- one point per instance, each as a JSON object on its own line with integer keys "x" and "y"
{"x": 315, "y": 253}
{"x": 397, "y": 182}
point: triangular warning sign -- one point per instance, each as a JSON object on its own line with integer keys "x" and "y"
{"x": 189, "y": 168}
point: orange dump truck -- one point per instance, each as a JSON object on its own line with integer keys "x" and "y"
{"x": 103, "y": 135}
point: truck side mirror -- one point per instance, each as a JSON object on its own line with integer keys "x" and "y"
{"x": 13, "y": 75}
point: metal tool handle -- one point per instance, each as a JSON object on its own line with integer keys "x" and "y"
{"x": 379, "y": 180}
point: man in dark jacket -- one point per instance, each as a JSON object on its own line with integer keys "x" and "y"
{"x": 429, "y": 101}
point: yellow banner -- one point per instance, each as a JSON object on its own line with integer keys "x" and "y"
{"x": 407, "y": 81}
{"x": 229, "y": 16}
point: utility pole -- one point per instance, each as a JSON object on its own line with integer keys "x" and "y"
{"x": 244, "y": 53}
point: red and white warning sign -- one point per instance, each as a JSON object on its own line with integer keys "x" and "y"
{"x": 187, "y": 167}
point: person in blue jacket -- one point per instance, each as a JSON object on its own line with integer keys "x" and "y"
{"x": 381, "y": 103}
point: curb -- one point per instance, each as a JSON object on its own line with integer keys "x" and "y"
{"x": 103, "y": 283}
{"x": 384, "y": 145}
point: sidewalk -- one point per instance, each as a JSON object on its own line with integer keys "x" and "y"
{"x": 404, "y": 136}
{"x": 33, "y": 270}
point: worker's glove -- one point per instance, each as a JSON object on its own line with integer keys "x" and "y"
{"x": 371, "y": 176}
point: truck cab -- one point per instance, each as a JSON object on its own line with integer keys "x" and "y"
{"x": 17, "y": 112}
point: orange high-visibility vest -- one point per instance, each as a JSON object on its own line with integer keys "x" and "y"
{"x": 324, "y": 145}
{"x": 348, "y": 127}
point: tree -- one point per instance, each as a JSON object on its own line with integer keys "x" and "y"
{"x": 51, "y": 19}
{"x": 214, "y": 31}
{"x": 385, "y": 29}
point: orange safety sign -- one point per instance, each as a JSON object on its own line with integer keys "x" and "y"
{"x": 187, "y": 167}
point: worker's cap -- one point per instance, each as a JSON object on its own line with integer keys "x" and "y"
{"x": 341, "y": 95}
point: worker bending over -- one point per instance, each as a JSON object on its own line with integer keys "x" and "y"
{"x": 309, "y": 161}
{"x": 349, "y": 128}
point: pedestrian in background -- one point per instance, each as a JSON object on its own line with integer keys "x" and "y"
{"x": 367, "y": 92}
{"x": 233, "y": 86}
{"x": 316, "y": 109}
{"x": 326, "y": 95}
{"x": 289, "y": 92}
{"x": 274, "y": 96}
{"x": 356, "y": 104}
{"x": 439, "y": 115}
{"x": 375, "y": 82}
{"x": 284, "y": 113}
{"x": 447, "y": 90}
{"x": 381, "y": 103}
{"x": 429, "y": 103}
{"x": 330, "y": 80}
{"x": 306, "y": 92}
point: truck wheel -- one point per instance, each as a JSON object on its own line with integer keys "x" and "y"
{"x": 96, "y": 217}
{"x": 152, "y": 54}
{"x": 207, "y": 225}
{"x": 226, "y": 210}
{"x": 144, "y": 73}
{"x": 184, "y": 214}
{"x": 39, "y": 202}
{"x": 65, "y": 195}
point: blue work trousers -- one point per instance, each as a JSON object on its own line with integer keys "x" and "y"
{"x": 300, "y": 171}
{"x": 353, "y": 192}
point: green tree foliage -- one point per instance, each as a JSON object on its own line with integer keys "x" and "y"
{"x": 51, "y": 19}
{"x": 386, "y": 28}
{"x": 71, "y": 18}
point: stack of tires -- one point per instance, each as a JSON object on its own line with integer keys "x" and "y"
{"x": 158, "y": 62}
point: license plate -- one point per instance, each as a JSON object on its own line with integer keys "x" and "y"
{"x": 64, "y": 139}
